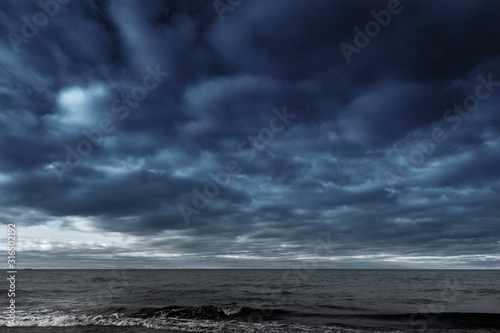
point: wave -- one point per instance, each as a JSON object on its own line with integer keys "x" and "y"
{"x": 160, "y": 320}
{"x": 230, "y": 318}
{"x": 211, "y": 312}
{"x": 107, "y": 279}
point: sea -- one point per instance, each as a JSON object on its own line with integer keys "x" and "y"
{"x": 254, "y": 300}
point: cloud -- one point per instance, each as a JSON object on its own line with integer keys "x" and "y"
{"x": 324, "y": 174}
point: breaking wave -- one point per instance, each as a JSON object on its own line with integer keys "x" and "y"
{"x": 221, "y": 319}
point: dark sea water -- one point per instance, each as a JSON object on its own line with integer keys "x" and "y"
{"x": 256, "y": 301}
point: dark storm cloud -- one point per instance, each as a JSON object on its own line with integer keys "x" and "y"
{"x": 324, "y": 173}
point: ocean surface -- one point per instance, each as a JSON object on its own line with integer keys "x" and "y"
{"x": 255, "y": 301}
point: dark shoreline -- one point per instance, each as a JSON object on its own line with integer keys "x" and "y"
{"x": 84, "y": 329}
{"x": 139, "y": 329}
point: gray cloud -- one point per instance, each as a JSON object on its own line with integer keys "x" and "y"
{"x": 324, "y": 174}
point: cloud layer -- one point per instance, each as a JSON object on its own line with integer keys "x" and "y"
{"x": 157, "y": 135}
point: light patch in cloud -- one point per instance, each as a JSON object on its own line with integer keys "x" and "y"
{"x": 77, "y": 105}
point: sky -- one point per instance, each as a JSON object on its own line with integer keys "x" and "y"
{"x": 251, "y": 134}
